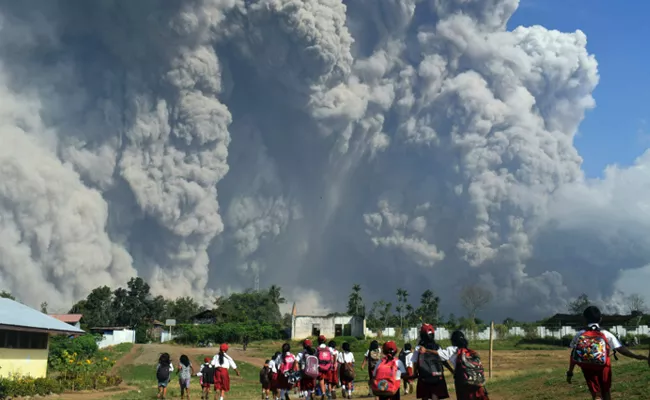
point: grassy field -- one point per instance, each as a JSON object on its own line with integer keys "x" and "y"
{"x": 520, "y": 373}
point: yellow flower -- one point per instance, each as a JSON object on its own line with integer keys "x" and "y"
{"x": 88, "y": 362}
{"x": 105, "y": 358}
{"x": 70, "y": 361}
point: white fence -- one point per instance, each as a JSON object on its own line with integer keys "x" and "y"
{"x": 166, "y": 337}
{"x": 412, "y": 334}
{"x": 111, "y": 338}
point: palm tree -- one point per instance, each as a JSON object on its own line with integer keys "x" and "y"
{"x": 276, "y": 296}
{"x": 355, "y": 301}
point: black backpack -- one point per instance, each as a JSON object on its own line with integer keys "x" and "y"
{"x": 163, "y": 373}
{"x": 430, "y": 369}
{"x": 402, "y": 357}
{"x": 208, "y": 374}
{"x": 264, "y": 376}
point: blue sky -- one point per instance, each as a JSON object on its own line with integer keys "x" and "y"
{"x": 618, "y": 34}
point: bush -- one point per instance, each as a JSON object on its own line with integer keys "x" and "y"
{"x": 502, "y": 331}
{"x": 84, "y": 346}
{"x": 227, "y": 333}
{"x": 17, "y": 386}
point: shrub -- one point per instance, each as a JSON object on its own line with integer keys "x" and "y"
{"x": 84, "y": 346}
{"x": 26, "y": 386}
{"x": 502, "y": 331}
{"x": 227, "y": 333}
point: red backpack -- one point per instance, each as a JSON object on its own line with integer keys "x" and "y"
{"x": 591, "y": 350}
{"x": 324, "y": 360}
{"x": 385, "y": 382}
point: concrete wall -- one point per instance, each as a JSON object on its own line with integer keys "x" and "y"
{"x": 412, "y": 334}
{"x": 166, "y": 337}
{"x": 23, "y": 362}
{"x": 302, "y": 325}
{"x": 111, "y": 338}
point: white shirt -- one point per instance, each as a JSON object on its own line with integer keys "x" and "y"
{"x": 272, "y": 367}
{"x": 611, "y": 339}
{"x": 401, "y": 369}
{"x": 228, "y": 362}
{"x": 345, "y": 358}
{"x": 449, "y": 354}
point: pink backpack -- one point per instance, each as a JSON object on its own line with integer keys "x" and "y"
{"x": 325, "y": 360}
{"x": 286, "y": 364}
{"x": 310, "y": 367}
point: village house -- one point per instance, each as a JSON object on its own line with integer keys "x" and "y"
{"x": 70, "y": 319}
{"x": 24, "y": 339}
{"x": 303, "y": 326}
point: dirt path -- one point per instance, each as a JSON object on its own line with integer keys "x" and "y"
{"x": 148, "y": 354}
{"x": 95, "y": 395}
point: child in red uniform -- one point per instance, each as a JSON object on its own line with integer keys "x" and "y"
{"x": 429, "y": 389}
{"x": 223, "y": 362}
{"x": 285, "y": 363}
{"x": 326, "y": 361}
{"x": 451, "y": 354}
{"x": 307, "y": 383}
{"x": 598, "y": 376}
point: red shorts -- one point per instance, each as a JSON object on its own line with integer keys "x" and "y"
{"x": 333, "y": 377}
{"x": 427, "y": 390}
{"x": 222, "y": 380}
{"x": 598, "y": 380}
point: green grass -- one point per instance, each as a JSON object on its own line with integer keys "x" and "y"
{"x": 144, "y": 378}
{"x": 630, "y": 381}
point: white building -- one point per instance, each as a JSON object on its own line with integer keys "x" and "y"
{"x": 304, "y": 326}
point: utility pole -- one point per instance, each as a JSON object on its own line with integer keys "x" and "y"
{"x": 257, "y": 281}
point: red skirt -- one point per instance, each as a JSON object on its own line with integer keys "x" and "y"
{"x": 333, "y": 378}
{"x": 307, "y": 383}
{"x": 465, "y": 392}
{"x": 282, "y": 382}
{"x": 274, "y": 380}
{"x": 222, "y": 380}
{"x": 409, "y": 372}
{"x": 427, "y": 390}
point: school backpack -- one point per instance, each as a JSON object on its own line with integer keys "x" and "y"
{"x": 347, "y": 372}
{"x": 469, "y": 368}
{"x": 591, "y": 350}
{"x": 163, "y": 373}
{"x": 402, "y": 357}
{"x": 374, "y": 356}
{"x": 264, "y": 376}
{"x": 385, "y": 382}
{"x": 310, "y": 366}
{"x": 430, "y": 368}
{"x": 324, "y": 360}
{"x": 208, "y": 373}
{"x": 286, "y": 364}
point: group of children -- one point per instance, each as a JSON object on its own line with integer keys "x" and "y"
{"x": 318, "y": 371}
{"x": 213, "y": 373}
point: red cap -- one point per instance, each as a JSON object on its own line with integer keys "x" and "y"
{"x": 307, "y": 343}
{"x": 207, "y": 360}
{"x": 224, "y": 347}
{"x": 322, "y": 338}
{"x": 428, "y": 328}
{"x": 390, "y": 347}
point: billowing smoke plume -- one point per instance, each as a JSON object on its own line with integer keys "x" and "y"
{"x": 315, "y": 143}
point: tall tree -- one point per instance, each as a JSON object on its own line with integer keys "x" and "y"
{"x": 635, "y": 303}
{"x": 97, "y": 308}
{"x": 6, "y": 295}
{"x": 355, "y": 302}
{"x": 474, "y": 298}
{"x": 250, "y": 306}
{"x": 44, "y": 307}
{"x": 579, "y": 305}
{"x": 275, "y": 294}
{"x": 182, "y": 309}
{"x": 385, "y": 314}
{"x": 402, "y": 302}
{"x": 428, "y": 309}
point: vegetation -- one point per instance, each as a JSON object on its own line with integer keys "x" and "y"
{"x": 227, "y": 332}
{"x": 6, "y": 295}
